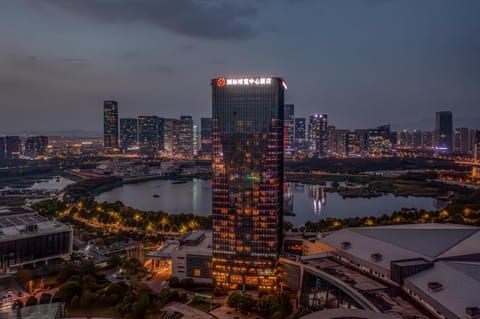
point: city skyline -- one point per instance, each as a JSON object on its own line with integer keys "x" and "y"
{"x": 355, "y": 58}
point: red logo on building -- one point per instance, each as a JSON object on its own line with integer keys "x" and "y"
{"x": 221, "y": 82}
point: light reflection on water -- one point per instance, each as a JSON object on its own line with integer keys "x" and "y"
{"x": 308, "y": 202}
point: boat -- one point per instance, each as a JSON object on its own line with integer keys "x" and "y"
{"x": 156, "y": 195}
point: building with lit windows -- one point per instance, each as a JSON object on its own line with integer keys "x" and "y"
{"x": 182, "y": 131}
{"x": 196, "y": 139}
{"x": 110, "y": 124}
{"x": 443, "y": 134}
{"x": 206, "y": 127}
{"x": 317, "y": 131}
{"x": 289, "y": 131}
{"x": 247, "y": 182}
{"x": 2, "y": 148}
{"x": 36, "y": 146}
{"x": 13, "y": 147}
{"x": 148, "y": 134}
{"x": 128, "y": 134}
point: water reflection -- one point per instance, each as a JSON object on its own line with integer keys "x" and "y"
{"x": 317, "y": 194}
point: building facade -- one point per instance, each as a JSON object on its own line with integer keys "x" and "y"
{"x": 206, "y": 135}
{"x": 247, "y": 181}
{"x": 148, "y": 134}
{"x": 110, "y": 124}
{"x": 182, "y": 142}
{"x": 443, "y": 134}
{"x": 13, "y": 147}
{"x": 36, "y": 146}
{"x": 317, "y": 131}
{"x": 289, "y": 130}
{"x": 128, "y": 134}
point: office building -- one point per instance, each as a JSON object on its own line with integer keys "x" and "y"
{"x": 341, "y": 142}
{"x": 2, "y": 148}
{"x": 182, "y": 143}
{"x": 289, "y": 130}
{"x": 161, "y": 134}
{"x": 110, "y": 124}
{"x": 206, "y": 135}
{"x": 148, "y": 134}
{"x": 13, "y": 147}
{"x": 317, "y": 131}
{"x": 247, "y": 182}
{"x": 330, "y": 148}
{"x": 462, "y": 141}
{"x": 27, "y": 238}
{"x": 36, "y": 146}
{"x": 128, "y": 134}
{"x": 300, "y": 128}
{"x": 443, "y": 134}
{"x": 196, "y": 140}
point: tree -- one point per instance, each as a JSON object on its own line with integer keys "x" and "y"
{"x": 45, "y": 298}
{"x": 25, "y": 275}
{"x": 235, "y": 299}
{"x": 85, "y": 299}
{"x": 114, "y": 261}
{"x": 31, "y": 301}
{"x": 174, "y": 282}
{"x": 246, "y": 302}
{"x": 70, "y": 289}
{"x": 75, "y": 302}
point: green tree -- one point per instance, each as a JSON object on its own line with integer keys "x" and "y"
{"x": 235, "y": 299}
{"x": 70, "y": 289}
{"x": 114, "y": 261}
{"x": 31, "y": 301}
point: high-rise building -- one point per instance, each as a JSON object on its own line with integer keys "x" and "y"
{"x": 289, "y": 130}
{"x": 461, "y": 141}
{"x": 341, "y": 142}
{"x": 330, "y": 147}
{"x": 427, "y": 139}
{"x": 317, "y": 131}
{"x": 13, "y": 147}
{"x": 128, "y": 134}
{"x": 2, "y": 148}
{"x": 196, "y": 140}
{"x": 161, "y": 134}
{"x": 247, "y": 181}
{"x": 36, "y": 146}
{"x": 110, "y": 124}
{"x": 182, "y": 131}
{"x": 300, "y": 128}
{"x": 206, "y": 131}
{"x": 168, "y": 136}
{"x": 148, "y": 134}
{"x": 443, "y": 134}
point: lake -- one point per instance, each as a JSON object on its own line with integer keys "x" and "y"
{"x": 308, "y": 202}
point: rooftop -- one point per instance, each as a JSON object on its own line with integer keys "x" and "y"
{"x": 460, "y": 284}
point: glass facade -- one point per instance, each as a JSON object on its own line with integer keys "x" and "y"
{"x": 247, "y": 182}
{"x": 36, "y": 146}
{"x": 110, "y": 124}
{"x": 128, "y": 133}
{"x": 26, "y": 250}
{"x": 443, "y": 134}
{"x": 317, "y": 130}
{"x": 13, "y": 147}
{"x": 206, "y": 134}
{"x": 289, "y": 130}
{"x": 182, "y": 143}
{"x": 148, "y": 134}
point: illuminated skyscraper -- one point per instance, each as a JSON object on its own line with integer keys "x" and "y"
{"x": 36, "y": 146}
{"x": 289, "y": 130}
{"x": 13, "y": 147}
{"x": 182, "y": 131}
{"x": 247, "y": 181}
{"x": 2, "y": 148}
{"x": 128, "y": 134}
{"x": 443, "y": 134}
{"x": 196, "y": 139}
{"x": 148, "y": 134}
{"x": 206, "y": 127}
{"x": 110, "y": 124}
{"x": 317, "y": 131}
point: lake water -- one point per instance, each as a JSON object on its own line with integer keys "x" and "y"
{"x": 56, "y": 183}
{"x": 308, "y": 202}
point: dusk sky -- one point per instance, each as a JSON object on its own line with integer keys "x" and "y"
{"x": 363, "y": 62}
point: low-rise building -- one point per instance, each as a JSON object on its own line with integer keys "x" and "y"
{"x": 27, "y": 237}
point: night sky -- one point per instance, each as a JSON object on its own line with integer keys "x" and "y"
{"x": 363, "y": 62}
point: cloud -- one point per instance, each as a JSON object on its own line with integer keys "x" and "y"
{"x": 194, "y": 18}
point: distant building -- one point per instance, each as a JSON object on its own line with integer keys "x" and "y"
{"x": 318, "y": 134}
{"x": 182, "y": 131}
{"x": 300, "y": 128}
{"x": 462, "y": 141}
{"x": 110, "y": 124}
{"x": 330, "y": 148}
{"x": 2, "y": 148}
{"x": 168, "y": 136}
{"x": 443, "y": 134}
{"x": 247, "y": 182}
{"x": 341, "y": 142}
{"x": 26, "y": 238}
{"x": 128, "y": 134}
{"x": 427, "y": 139}
{"x": 378, "y": 146}
{"x": 196, "y": 140}
{"x": 161, "y": 134}
{"x": 289, "y": 127}
{"x": 36, "y": 146}
{"x": 206, "y": 131}
{"x": 148, "y": 134}
{"x": 13, "y": 147}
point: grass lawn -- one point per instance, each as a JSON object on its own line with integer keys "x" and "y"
{"x": 93, "y": 312}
